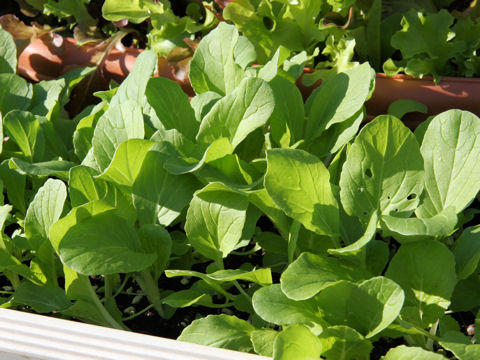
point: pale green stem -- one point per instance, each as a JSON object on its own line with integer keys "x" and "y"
{"x": 243, "y": 292}
{"x": 122, "y": 286}
{"x": 150, "y": 288}
{"x": 292, "y": 240}
{"x": 433, "y": 331}
{"x": 133, "y": 316}
{"x": 104, "y": 312}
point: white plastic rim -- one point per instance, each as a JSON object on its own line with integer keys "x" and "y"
{"x": 36, "y": 337}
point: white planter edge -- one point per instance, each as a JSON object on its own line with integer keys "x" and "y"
{"x": 36, "y": 337}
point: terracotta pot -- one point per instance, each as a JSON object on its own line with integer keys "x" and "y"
{"x": 42, "y": 60}
{"x": 450, "y": 93}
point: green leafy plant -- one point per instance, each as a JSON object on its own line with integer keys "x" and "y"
{"x": 90, "y": 20}
{"x": 167, "y": 29}
{"x": 435, "y": 44}
{"x": 292, "y": 232}
{"x": 416, "y": 37}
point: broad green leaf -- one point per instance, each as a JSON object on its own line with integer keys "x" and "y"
{"x": 49, "y": 96}
{"x": 215, "y": 285}
{"x": 46, "y": 97}
{"x": 196, "y": 156}
{"x": 133, "y": 87}
{"x": 10, "y": 263}
{"x": 215, "y": 220}
{"x": 127, "y": 162}
{"x": 15, "y": 93}
{"x": 460, "y": 345}
{"x": 203, "y": 103}
{"x": 57, "y": 168}
{"x": 245, "y": 109}
{"x": 56, "y": 142}
{"x": 344, "y": 343}
{"x": 83, "y": 188}
{"x": 263, "y": 341}
{"x": 8, "y": 53}
{"x": 135, "y": 11}
{"x": 467, "y": 252}
{"x": 466, "y": 295}
{"x": 383, "y": 172}
{"x": 24, "y": 128}
{"x": 172, "y": 106}
{"x": 359, "y": 247}
{"x": 7, "y": 260}
{"x": 450, "y": 148}
{"x": 223, "y": 331}
{"x": 1, "y": 133}
{"x": 44, "y": 210}
{"x": 43, "y": 299}
{"x": 271, "y": 242}
{"x": 337, "y": 135}
{"x": 296, "y": 64}
{"x": 372, "y": 31}
{"x": 93, "y": 240}
{"x": 159, "y": 196}
{"x": 270, "y": 70}
{"x": 296, "y": 342}
{"x": 413, "y": 229}
{"x": 260, "y": 276}
{"x": 15, "y": 183}
{"x": 426, "y": 272}
{"x": 244, "y": 53}
{"x": 4, "y": 211}
{"x": 310, "y": 273}
{"x": 338, "y": 99}
{"x": 403, "y": 352}
{"x": 403, "y": 106}
{"x": 368, "y": 307}
{"x": 288, "y": 116}
{"x": 447, "y": 323}
{"x": 231, "y": 171}
{"x": 213, "y": 66}
{"x": 187, "y": 298}
{"x": 118, "y": 124}
{"x": 156, "y": 240}
{"x": 44, "y": 264}
{"x": 272, "y": 305}
{"x": 377, "y": 257}
{"x": 265, "y": 203}
{"x": 299, "y": 184}
{"x": 82, "y": 137}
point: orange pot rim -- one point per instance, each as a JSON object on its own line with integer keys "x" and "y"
{"x": 443, "y": 79}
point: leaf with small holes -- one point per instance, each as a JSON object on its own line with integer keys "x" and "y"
{"x": 383, "y": 172}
